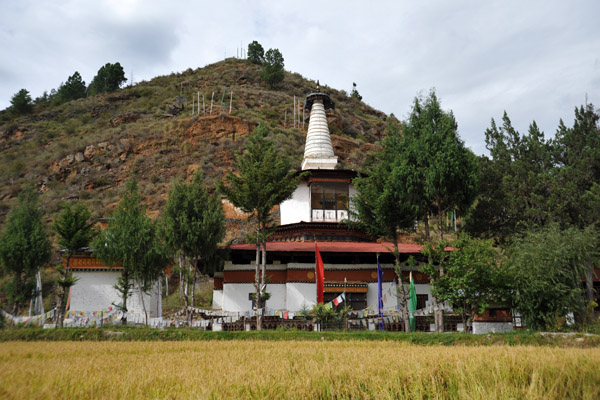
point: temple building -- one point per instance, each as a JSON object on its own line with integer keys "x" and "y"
{"x": 316, "y": 212}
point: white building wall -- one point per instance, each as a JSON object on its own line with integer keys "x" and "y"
{"x": 235, "y": 297}
{"x": 297, "y": 208}
{"x": 300, "y": 295}
{"x": 95, "y": 291}
{"x": 278, "y": 296}
{"x": 389, "y": 295}
{"x": 217, "y": 303}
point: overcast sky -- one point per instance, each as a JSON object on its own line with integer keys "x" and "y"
{"x": 535, "y": 59}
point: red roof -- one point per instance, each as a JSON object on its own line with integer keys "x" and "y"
{"x": 333, "y": 247}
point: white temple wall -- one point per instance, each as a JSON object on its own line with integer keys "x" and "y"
{"x": 278, "y": 296}
{"x": 296, "y": 209}
{"x": 95, "y": 291}
{"x": 235, "y": 296}
{"x": 217, "y": 303}
{"x": 388, "y": 289}
{"x": 300, "y": 295}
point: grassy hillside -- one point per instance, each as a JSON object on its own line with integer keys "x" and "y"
{"x": 86, "y": 149}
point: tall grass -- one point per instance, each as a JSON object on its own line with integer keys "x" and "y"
{"x": 294, "y": 370}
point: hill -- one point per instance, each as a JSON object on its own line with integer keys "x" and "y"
{"x": 85, "y": 149}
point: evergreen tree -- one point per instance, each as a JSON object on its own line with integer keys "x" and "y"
{"x": 354, "y": 93}
{"x": 24, "y": 248}
{"x": 75, "y": 232}
{"x": 193, "y": 226}
{"x": 21, "y": 103}
{"x": 264, "y": 179}
{"x": 273, "y": 72}
{"x": 547, "y": 268}
{"x": 256, "y": 53}
{"x": 385, "y": 202}
{"x": 109, "y": 78}
{"x": 447, "y": 169}
{"x": 130, "y": 240}
{"x": 74, "y": 88}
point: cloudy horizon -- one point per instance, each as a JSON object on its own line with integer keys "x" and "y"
{"x": 537, "y": 60}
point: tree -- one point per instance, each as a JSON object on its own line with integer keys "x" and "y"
{"x": 547, "y": 267}
{"x": 21, "y": 102}
{"x": 256, "y": 53}
{"x": 575, "y": 198}
{"x": 273, "y": 72}
{"x": 444, "y": 172}
{"x": 264, "y": 179}
{"x": 24, "y": 248}
{"x": 109, "y": 78}
{"x": 130, "y": 240}
{"x": 448, "y": 170}
{"x": 354, "y": 93}
{"x": 193, "y": 226}
{"x": 516, "y": 183}
{"x": 74, "y": 88}
{"x": 473, "y": 279}
{"x": 75, "y": 232}
{"x": 385, "y": 201}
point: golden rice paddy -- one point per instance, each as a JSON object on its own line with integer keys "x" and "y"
{"x": 293, "y": 370}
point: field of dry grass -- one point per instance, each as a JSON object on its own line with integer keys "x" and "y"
{"x": 294, "y": 369}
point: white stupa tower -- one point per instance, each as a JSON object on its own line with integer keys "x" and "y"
{"x": 318, "y": 151}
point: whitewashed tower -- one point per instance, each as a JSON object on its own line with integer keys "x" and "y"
{"x": 318, "y": 151}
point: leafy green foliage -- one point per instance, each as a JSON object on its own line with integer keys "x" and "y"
{"x": 547, "y": 268}
{"x": 131, "y": 241}
{"x": 24, "y": 248}
{"x": 273, "y": 72}
{"x": 109, "y": 78}
{"x": 256, "y": 53}
{"x": 21, "y": 102}
{"x": 74, "y": 88}
{"x": 473, "y": 277}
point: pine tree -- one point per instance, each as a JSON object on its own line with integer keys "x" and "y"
{"x": 264, "y": 179}
{"x": 131, "y": 241}
{"x": 109, "y": 78}
{"x": 385, "y": 203}
{"x": 193, "y": 225}
{"x": 21, "y": 102}
{"x": 74, "y": 88}
{"x": 273, "y": 72}
{"x": 256, "y": 53}
{"x": 75, "y": 232}
{"x": 24, "y": 248}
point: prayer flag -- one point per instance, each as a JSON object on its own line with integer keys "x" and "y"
{"x": 339, "y": 299}
{"x": 412, "y": 304}
{"x": 379, "y": 298}
{"x": 320, "y": 275}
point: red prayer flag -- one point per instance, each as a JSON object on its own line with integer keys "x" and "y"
{"x": 320, "y": 276}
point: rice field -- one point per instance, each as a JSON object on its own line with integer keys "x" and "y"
{"x": 294, "y": 370}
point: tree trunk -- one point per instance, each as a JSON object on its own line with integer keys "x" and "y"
{"x": 404, "y": 294}
{"x": 62, "y": 297}
{"x": 141, "y": 292}
{"x": 589, "y": 281}
{"x": 426, "y": 222}
{"x": 193, "y": 302}
{"x": 441, "y": 223}
{"x": 257, "y": 280}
